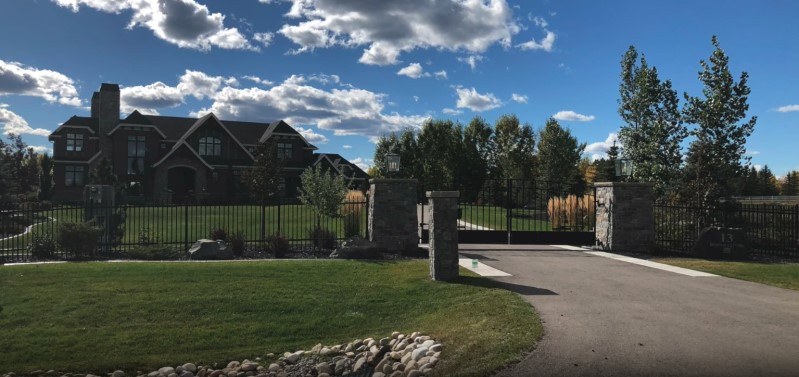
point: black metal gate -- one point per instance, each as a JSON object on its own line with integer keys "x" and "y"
{"x": 511, "y": 211}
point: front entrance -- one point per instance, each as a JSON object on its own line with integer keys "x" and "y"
{"x": 524, "y": 212}
{"x": 180, "y": 181}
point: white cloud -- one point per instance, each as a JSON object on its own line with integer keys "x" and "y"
{"x": 545, "y": 44}
{"x": 311, "y": 136}
{"x": 264, "y": 39}
{"x": 472, "y": 100}
{"x": 53, "y": 86}
{"x": 600, "y": 149}
{"x": 342, "y": 109}
{"x": 363, "y": 163}
{"x": 571, "y": 116}
{"x": 345, "y": 146}
{"x": 520, "y": 98}
{"x": 258, "y": 80}
{"x": 540, "y": 22}
{"x": 387, "y": 29}
{"x": 788, "y": 108}
{"x": 415, "y": 98}
{"x": 472, "y": 60}
{"x": 149, "y": 98}
{"x": 414, "y": 71}
{"x": 752, "y": 153}
{"x": 449, "y": 111}
{"x": 185, "y": 23}
{"x": 758, "y": 167}
{"x": 441, "y": 75}
{"x": 15, "y": 124}
{"x": 41, "y": 149}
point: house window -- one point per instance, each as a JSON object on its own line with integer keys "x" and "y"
{"x": 284, "y": 151}
{"x": 215, "y": 176}
{"x": 74, "y": 142}
{"x": 210, "y": 146}
{"x": 163, "y": 145}
{"x": 136, "y": 150}
{"x": 73, "y": 175}
{"x": 251, "y": 150}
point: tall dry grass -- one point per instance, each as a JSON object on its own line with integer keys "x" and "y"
{"x": 572, "y": 212}
{"x": 351, "y": 209}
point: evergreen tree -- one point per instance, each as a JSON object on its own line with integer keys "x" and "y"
{"x": 790, "y": 186}
{"x": 767, "y": 182}
{"x": 478, "y": 153}
{"x": 653, "y": 128}
{"x": 606, "y": 167}
{"x": 440, "y": 150}
{"x": 263, "y": 180}
{"x": 558, "y": 155}
{"x": 716, "y": 157}
{"x": 45, "y": 176}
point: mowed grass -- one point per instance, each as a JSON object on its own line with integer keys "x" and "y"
{"x": 783, "y": 275}
{"x": 177, "y": 224}
{"x": 98, "y": 317}
{"x": 496, "y": 218}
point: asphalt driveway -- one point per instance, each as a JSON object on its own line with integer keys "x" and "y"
{"x": 604, "y": 317}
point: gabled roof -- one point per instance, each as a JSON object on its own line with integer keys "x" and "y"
{"x": 176, "y": 148}
{"x": 282, "y": 128}
{"x": 137, "y": 119}
{"x": 341, "y": 164}
{"x": 200, "y": 122}
{"x": 91, "y": 124}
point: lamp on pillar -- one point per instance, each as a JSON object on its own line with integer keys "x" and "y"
{"x": 393, "y": 162}
{"x": 624, "y": 168}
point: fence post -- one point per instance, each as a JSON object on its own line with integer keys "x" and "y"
{"x": 278, "y": 216}
{"x": 509, "y": 202}
{"x": 186, "y": 226}
{"x": 263, "y": 223}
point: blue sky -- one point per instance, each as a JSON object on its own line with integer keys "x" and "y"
{"x": 347, "y": 71}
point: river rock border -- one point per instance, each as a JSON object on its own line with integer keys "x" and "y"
{"x": 397, "y": 356}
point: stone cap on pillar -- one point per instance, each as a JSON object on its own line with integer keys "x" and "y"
{"x": 443, "y": 194}
{"x": 624, "y": 184}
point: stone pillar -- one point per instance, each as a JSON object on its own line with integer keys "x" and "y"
{"x": 443, "y": 219}
{"x": 625, "y": 218}
{"x": 392, "y": 214}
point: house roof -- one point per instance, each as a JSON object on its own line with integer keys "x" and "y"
{"x": 341, "y": 164}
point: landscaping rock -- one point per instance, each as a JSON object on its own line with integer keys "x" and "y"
{"x": 356, "y": 247}
{"x": 210, "y": 250}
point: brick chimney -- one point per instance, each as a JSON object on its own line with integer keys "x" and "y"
{"x": 96, "y": 105}
{"x": 108, "y": 114}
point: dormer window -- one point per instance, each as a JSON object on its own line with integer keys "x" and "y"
{"x": 74, "y": 142}
{"x": 210, "y": 146}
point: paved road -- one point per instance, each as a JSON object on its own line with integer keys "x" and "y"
{"x": 604, "y": 317}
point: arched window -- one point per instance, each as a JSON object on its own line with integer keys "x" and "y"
{"x": 210, "y": 146}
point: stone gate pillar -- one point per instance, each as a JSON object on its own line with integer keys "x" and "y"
{"x": 625, "y": 218}
{"x": 392, "y": 214}
{"x": 443, "y": 234}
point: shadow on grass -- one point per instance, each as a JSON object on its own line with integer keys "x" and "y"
{"x": 523, "y": 290}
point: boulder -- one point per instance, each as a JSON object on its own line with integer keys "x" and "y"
{"x": 356, "y": 247}
{"x": 209, "y": 249}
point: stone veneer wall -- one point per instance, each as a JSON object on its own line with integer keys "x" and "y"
{"x": 625, "y": 219}
{"x": 392, "y": 214}
{"x": 443, "y": 215}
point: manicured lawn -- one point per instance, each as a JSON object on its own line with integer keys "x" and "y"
{"x": 783, "y": 275}
{"x": 169, "y": 223}
{"x": 496, "y": 218}
{"x": 97, "y": 317}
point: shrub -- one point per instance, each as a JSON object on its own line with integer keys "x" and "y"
{"x": 351, "y": 209}
{"x": 237, "y": 244}
{"x": 322, "y": 238}
{"x": 219, "y": 234}
{"x": 148, "y": 236}
{"x": 78, "y": 239}
{"x": 153, "y": 252}
{"x": 42, "y": 246}
{"x": 278, "y": 245}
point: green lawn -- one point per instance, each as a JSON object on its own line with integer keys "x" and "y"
{"x": 783, "y": 275}
{"x": 169, "y": 222}
{"x": 97, "y": 317}
{"x": 496, "y": 218}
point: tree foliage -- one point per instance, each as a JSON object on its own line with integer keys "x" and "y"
{"x": 716, "y": 157}
{"x": 263, "y": 180}
{"x": 45, "y": 176}
{"x": 558, "y": 156}
{"x": 514, "y": 149}
{"x": 19, "y": 167}
{"x": 323, "y": 191}
{"x": 653, "y": 129}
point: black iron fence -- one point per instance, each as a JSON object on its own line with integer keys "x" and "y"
{"x": 772, "y": 230}
{"x": 127, "y": 226}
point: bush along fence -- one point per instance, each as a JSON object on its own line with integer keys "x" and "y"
{"x": 768, "y": 231}
{"x": 34, "y": 231}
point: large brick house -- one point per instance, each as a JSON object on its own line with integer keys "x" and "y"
{"x": 175, "y": 159}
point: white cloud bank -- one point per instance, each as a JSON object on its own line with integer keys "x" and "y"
{"x": 15, "y": 124}
{"x": 185, "y": 23}
{"x": 469, "y": 98}
{"x": 600, "y": 149}
{"x": 149, "y": 98}
{"x": 54, "y": 87}
{"x": 519, "y": 98}
{"x": 788, "y": 108}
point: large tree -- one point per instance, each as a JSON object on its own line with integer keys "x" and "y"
{"x": 514, "y": 149}
{"x": 440, "y": 151}
{"x": 477, "y": 158}
{"x": 716, "y": 157}
{"x": 558, "y": 156}
{"x": 264, "y": 179}
{"x": 45, "y": 176}
{"x": 790, "y": 186}
{"x": 653, "y": 129}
